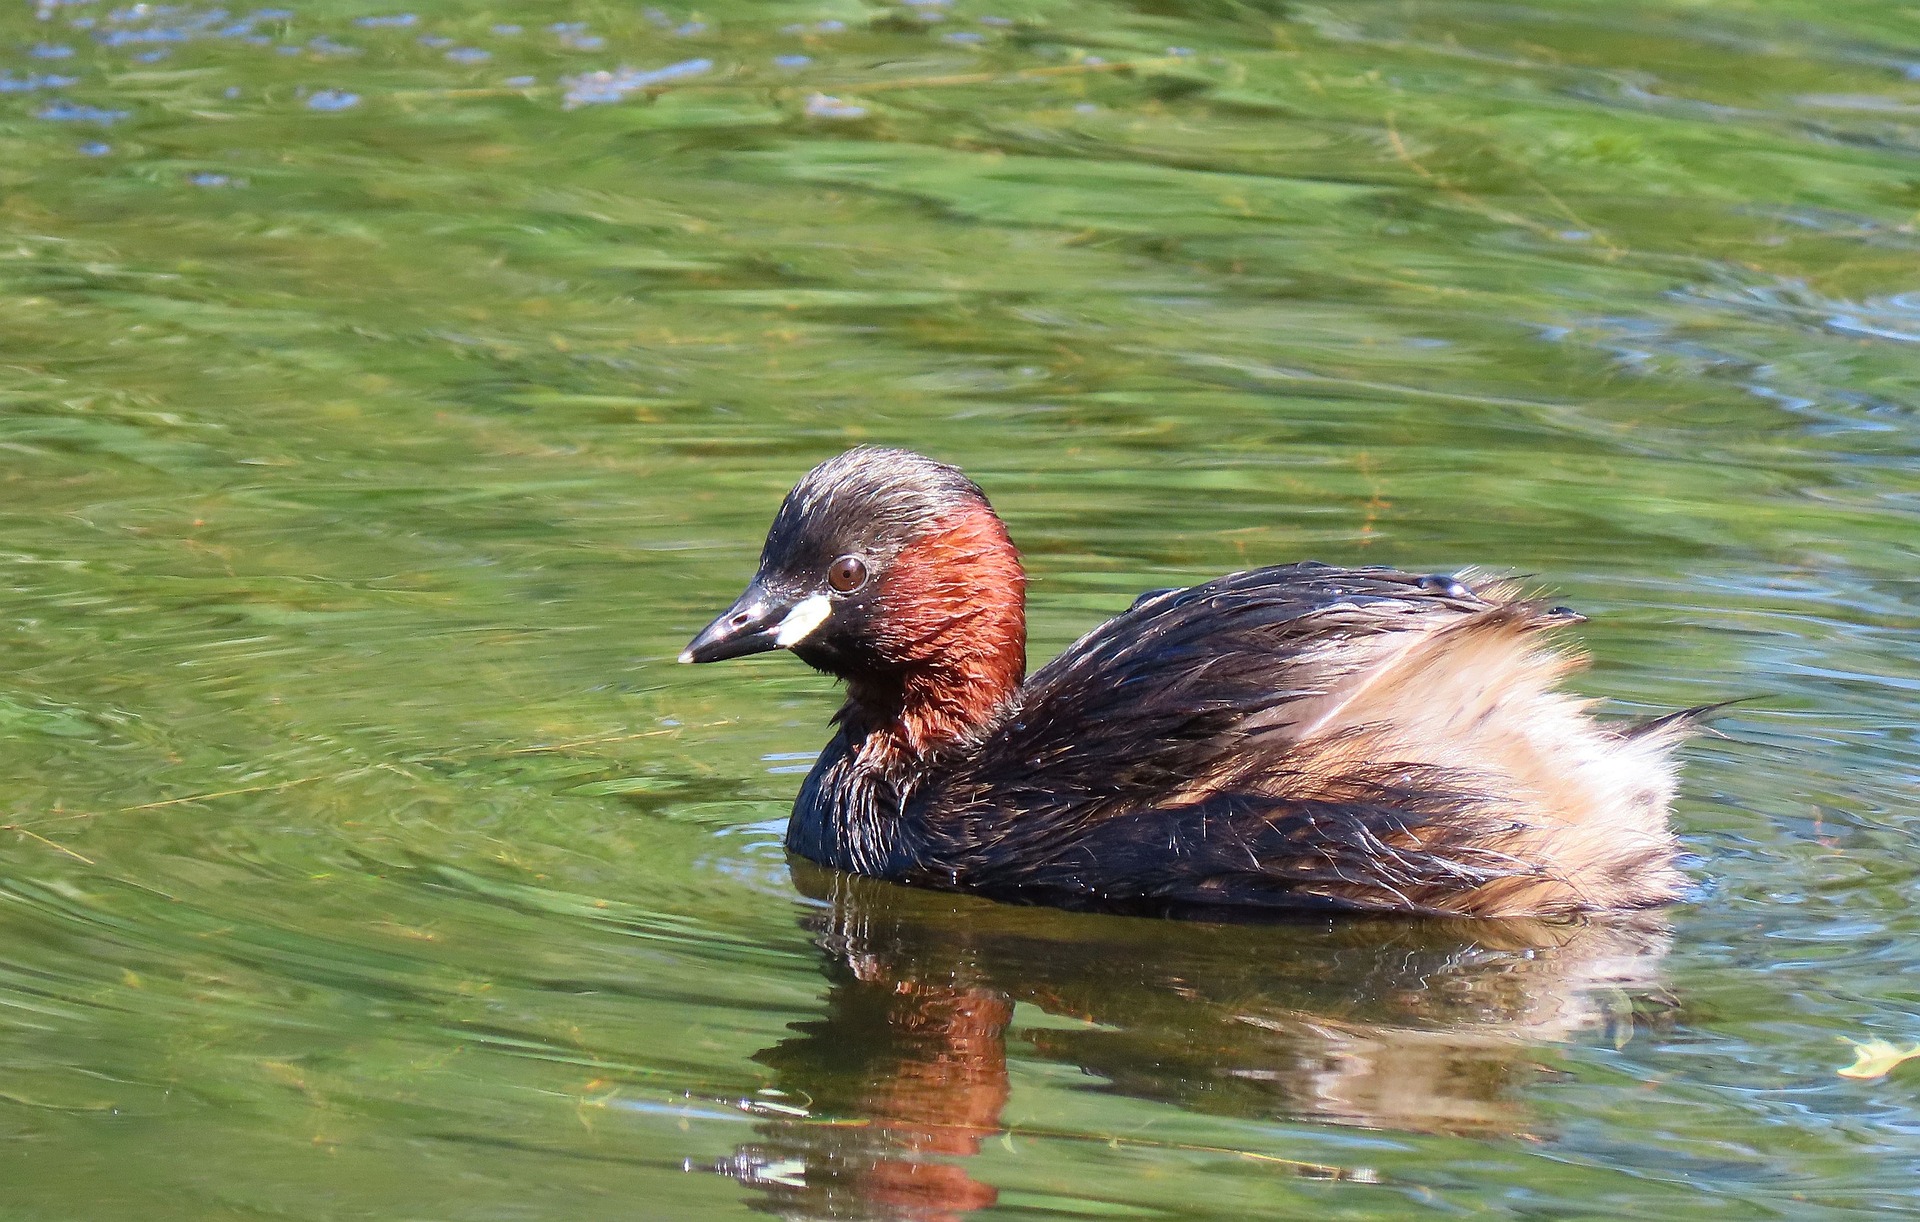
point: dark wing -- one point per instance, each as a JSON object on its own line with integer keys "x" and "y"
{"x": 1403, "y": 849}
{"x": 1153, "y": 754}
{"x": 1166, "y": 694}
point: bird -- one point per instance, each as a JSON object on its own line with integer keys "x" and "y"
{"x": 1296, "y": 739}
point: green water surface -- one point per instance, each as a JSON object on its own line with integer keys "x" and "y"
{"x": 385, "y": 397}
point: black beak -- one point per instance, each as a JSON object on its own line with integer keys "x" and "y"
{"x": 747, "y": 627}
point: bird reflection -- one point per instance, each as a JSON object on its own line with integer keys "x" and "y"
{"x": 1414, "y": 1026}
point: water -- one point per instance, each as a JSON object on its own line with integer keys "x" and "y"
{"x": 388, "y": 394}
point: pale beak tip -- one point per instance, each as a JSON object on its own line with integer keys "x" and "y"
{"x": 686, "y": 656}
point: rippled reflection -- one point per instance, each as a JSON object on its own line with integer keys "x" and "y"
{"x": 1400, "y": 1025}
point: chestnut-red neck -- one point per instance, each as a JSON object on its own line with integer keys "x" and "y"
{"x": 953, "y": 630}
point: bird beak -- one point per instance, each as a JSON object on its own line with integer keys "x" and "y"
{"x": 758, "y": 621}
{"x": 747, "y": 627}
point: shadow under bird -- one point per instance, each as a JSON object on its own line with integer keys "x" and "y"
{"x": 1302, "y": 737}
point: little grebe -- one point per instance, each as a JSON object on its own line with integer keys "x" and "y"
{"x": 1298, "y": 737}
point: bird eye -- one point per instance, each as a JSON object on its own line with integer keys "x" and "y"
{"x": 847, "y": 574}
